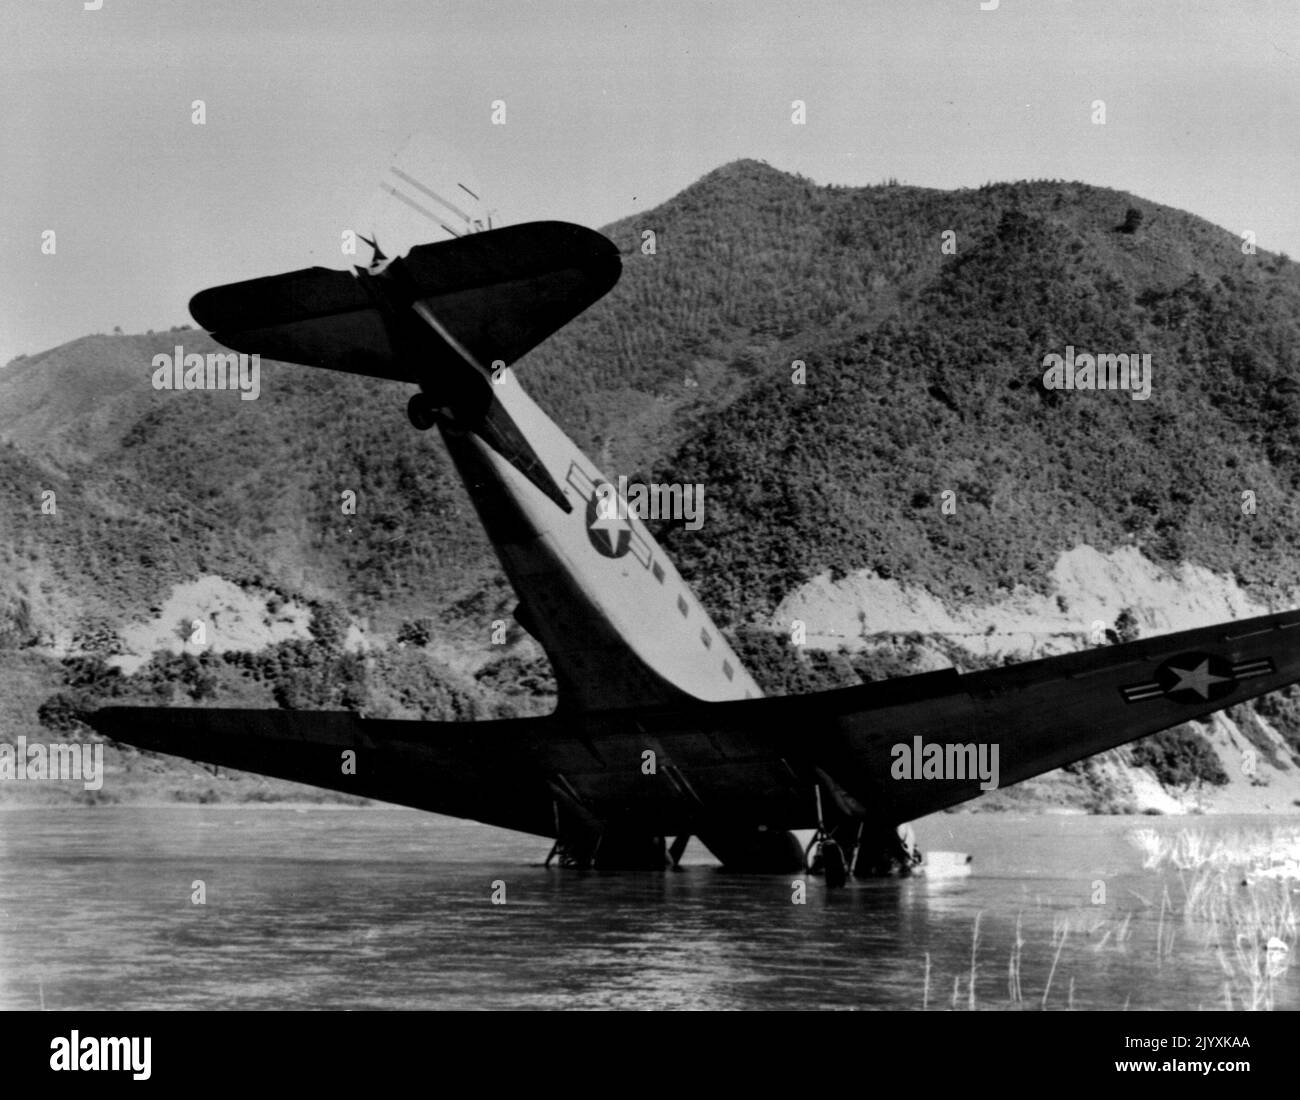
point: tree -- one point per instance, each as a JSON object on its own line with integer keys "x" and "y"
{"x": 329, "y": 625}
{"x": 1132, "y": 219}
{"x": 416, "y": 632}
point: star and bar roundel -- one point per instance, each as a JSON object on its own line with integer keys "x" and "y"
{"x": 610, "y": 534}
{"x": 1196, "y": 678}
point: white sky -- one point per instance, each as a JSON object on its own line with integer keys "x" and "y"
{"x": 612, "y": 107}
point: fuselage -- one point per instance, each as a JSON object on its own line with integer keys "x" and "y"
{"x": 620, "y": 625}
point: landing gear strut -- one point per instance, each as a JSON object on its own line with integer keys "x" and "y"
{"x": 831, "y": 859}
{"x": 872, "y": 849}
{"x": 886, "y": 850}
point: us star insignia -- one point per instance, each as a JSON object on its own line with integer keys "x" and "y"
{"x": 608, "y": 529}
{"x": 1197, "y": 678}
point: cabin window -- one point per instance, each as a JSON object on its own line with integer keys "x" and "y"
{"x": 704, "y": 637}
{"x": 659, "y": 572}
{"x": 681, "y": 604}
{"x": 728, "y": 670}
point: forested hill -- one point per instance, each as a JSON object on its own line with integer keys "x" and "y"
{"x": 922, "y": 376}
{"x": 945, "y": 393}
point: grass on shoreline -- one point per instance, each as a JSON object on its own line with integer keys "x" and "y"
{"x": 1235, "y": 913}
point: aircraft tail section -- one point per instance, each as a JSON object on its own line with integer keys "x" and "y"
{"x": 497, "y": 294}
{"x": 619, "y": 624}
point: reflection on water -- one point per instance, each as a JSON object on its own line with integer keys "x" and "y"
{"x": 388, "y": 908}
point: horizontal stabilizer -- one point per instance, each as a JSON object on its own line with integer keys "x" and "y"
{"x": 498, "y": 293}
{"x": 317, "y": 317}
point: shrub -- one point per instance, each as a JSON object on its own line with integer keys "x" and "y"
{"x": 1180, "y": 757}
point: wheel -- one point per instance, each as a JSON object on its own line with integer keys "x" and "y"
{"x": 421, "y": 411}
{"x": 837, "y": 873}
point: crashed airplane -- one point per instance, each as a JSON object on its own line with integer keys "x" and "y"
{"x": 659, "y": 731}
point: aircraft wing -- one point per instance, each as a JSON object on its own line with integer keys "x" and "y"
{"x": 479, "y": 770}
{"x": 754, "y": 760}
{"x": 1047, "y": 713}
